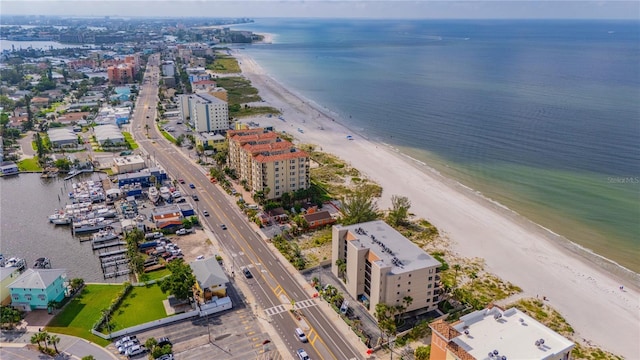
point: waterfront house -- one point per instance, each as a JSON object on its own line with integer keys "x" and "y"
{"x": 210, "y": 279}
{"x": 8, "y": 168}
{"x": 318, "y": 219}
{"x": 7, "y": 276}
{"x": 502, "y": 334}
{"x": 35, "y": 288}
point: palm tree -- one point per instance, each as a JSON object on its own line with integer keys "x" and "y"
{"x": 36, "y": 338}
{"x": 54, "y": 340}
{"x": 457, "y": 268}
{"x": 342, "y": 267}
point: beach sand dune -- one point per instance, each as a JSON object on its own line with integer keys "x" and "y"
{"x": 539, "y": 261}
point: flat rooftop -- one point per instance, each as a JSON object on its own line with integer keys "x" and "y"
{"x": 390, "y": 246}
{"x": 512, "y": 333}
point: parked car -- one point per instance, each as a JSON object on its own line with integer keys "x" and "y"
{"x": 125, "y": 339}
{"x": 184, "y": 231}
{"x": 136, "y": 350}
{"x": 123, "y": 348}
{"x": 166, "y": 357}
{"x": 181, "y": 200}
{"x": 302, "y": 354}
{"x": 164, "y": 341}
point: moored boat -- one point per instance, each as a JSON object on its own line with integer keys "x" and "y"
{"x": 42, "y": 263}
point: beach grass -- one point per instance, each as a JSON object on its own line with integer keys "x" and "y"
{"x": 239, "y": 90}
{"x": 129, "y": 139}
{"x": 254, "y": 111}
{"x": 224, "y": 64}
{"x": 81, "y": 313}
{"x": 143, "y": 304}
{"x": 29, "y": 164}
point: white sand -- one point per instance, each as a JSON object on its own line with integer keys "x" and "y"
{"x": 514, "y": 248}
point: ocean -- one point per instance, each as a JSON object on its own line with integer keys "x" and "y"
{"x": 541, "y": 116}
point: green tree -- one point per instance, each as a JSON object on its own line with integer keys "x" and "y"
{"x": 9, "y": 316}
{"x": 385, "y": 315}
{"x": 54, "y": 340}
{"x": 150, "y": 343}
{"x": 63, "y": 164}
{"x": 88, "y": 357}
{"x": 399, "y": 212}
{"x": 76, "y": 284}
{"x": 28, "y": 125}
{"x": 360, "y": 207}
{"x": 181, "y": 280}
{"x": 7, "y": 103}
{"x": 456, "y": 268}
{"x": 342, "y": 268}
{"x": 422, "y": 352}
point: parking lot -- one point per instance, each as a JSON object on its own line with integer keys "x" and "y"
{"x": 233, "y": 334}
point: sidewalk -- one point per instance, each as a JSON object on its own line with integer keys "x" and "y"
{"x": 69, "y": 346}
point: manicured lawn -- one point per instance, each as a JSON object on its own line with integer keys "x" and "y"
{"x": 129, "y": 139}
{"x": 141, "y": 305}
{"x": 29, "y": 164}
{"x": 158, "y": 274}
{"x": 83, "y": 311}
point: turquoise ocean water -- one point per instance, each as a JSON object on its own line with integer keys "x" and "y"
{"x": 541, "y": 116}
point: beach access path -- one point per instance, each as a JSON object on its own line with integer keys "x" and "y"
{"x": 540, "y": 262}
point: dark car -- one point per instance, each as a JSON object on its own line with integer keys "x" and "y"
{"x": 247, "y": 273}
{"x": 195, "y": 197}
{"x": 181, "y": 200}
{"x": 192, "y": 186}
{"x": 223, "y": 226}
{"x": 164, "y": 341}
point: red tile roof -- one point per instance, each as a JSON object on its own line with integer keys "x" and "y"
{"x": 281, "y": 156}
{"x": 444, "y": 329}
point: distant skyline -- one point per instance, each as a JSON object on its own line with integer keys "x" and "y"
{"x": 418, "y": 9}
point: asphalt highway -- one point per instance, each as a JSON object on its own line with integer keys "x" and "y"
{"x": 275, "y": 289}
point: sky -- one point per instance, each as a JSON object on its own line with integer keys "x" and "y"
{"x": 389, "y": 9}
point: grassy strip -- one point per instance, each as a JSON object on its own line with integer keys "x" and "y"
{"x": 239, "y": 90}
{"x": 224, "y": 64}
{"x": 129, "y": 139}
{"x": 29, "y": 164}
{"x": 83, "y": 311}
{"x": 253, "y": 111}
{"x": 167, "y": 135}
{"x": 141, "y": 305}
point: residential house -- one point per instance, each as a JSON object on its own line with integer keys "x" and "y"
{"x": 36, "y": 288}
{"x": 210, "y": 279}
{"x": 7, "y": 276}
{"x": 318, "y": 219}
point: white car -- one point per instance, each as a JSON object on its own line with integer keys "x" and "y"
{"x": 136, "y": 350}
{"x": 302, "y": 354}
{"x": 124, "y": 340}
{"x": 123, "y": 348}
{"x": 176, "y": 194}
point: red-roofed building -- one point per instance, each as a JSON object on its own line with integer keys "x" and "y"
{"x": 266, "y": 162}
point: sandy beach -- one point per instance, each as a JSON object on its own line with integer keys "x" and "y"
{"x": 581, "y": 288}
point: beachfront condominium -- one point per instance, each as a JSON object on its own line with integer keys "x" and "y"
{"x": 380, "y": 265}
{"x": 497, "y": 334}
{"x": 267, "y": 163}
{"x": 205, "y": 112}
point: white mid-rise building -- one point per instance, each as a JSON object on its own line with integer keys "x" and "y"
{"x": 205, "y": 112}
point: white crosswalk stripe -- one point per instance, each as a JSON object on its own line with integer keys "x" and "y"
{"x": 304, "y": 304}
{"x": 275, "y": 310}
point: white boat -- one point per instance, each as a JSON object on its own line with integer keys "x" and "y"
{"x": 153, "y": 194}
{"x": 62, "y": 220}
{"x": 90, "y": 225}
{"x": 19, "y": 263}
{"x": 165, "y": 193}
{"x": 104, "y": 235}
{"x": 106, "y": 213}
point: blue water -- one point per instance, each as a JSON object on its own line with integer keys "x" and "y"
{"x": 542, "y": 116}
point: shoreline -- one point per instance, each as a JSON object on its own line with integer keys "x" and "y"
{"x": 514, "y": 248}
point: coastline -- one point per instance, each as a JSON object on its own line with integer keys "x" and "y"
{"x": 514, "y": 248}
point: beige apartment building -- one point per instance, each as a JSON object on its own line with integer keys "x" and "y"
{"x": 497, "y": 334}
{"x": 382, "y": 266}
{"x": 262, "y": 160}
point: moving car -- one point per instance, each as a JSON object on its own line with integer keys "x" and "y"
{"x": 205, "y": 213}
{"x": 192, "y": 186}
{"x": 301, "y": 336}
{"x": 302, "y": 354}
{"x": 223, "y": 226}
{"x": 247, "y": 273}
{"x": 181, "y": 181}
{"x": 195, "y": 197}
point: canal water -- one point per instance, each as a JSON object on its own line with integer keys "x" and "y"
{"x": 26, "y": 201}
